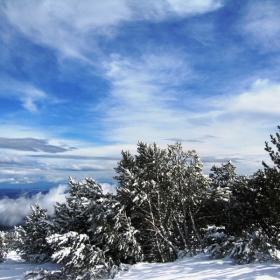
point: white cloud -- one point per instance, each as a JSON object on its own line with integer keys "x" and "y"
{"x": 70, "y": 27}
{"x": 262, "y": 98}
{"x": 80, "y": 167}
{"x": 66, "y": 26}
{"x": 159, "y": 10}
{"x": 7, "y": 180}
{"x": 261, "y": 25}
{"x": 143, "y": 94}
{"x": 190, "y": 7}
{"x": 146, "y": 105}
{"x": 12, "y": 172}
{"x": 259, "y": 105}
{"x": 12, "y": 211}
{"x": 143, "y": 99}
{"x": 138, "y": 81}
{"x": 241, "y": 123}
{"x": 29, "y": 95}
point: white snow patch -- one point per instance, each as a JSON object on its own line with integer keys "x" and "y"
{"x": 14, "y": 267}
{"x": 196, "y": 268}
{"x": 201, "y": 268}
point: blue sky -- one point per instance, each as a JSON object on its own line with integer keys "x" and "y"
{"x": 82, "y": 80}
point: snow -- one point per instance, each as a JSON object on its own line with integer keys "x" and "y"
{"x": 196, "y": 268}
{"x": 14, "y": 267}
{"x": 201, "y": 267}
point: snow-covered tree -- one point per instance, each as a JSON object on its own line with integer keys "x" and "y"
{"x": 223, "y": 180}
{"x": 226, "y": 202}
{"x": 94, "y": 235}
{"x": 6, "y": 240}
{"x": 163, "y": 191}
{"x": 264, "y": 195}
{"x": 165, "y": 207}
{"x": 250, "y": 211}
{"x": 31, "y": 242}
{"x": 190, "y": 190}
{"x": 80, "y": 258}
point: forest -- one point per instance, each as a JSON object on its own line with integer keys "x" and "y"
{"x": 165, "y": 208}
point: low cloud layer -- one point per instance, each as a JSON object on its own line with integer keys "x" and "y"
{"x": 13, "y": 211}
{"x": 77, "y": 157}
{"x": 31, "y": 144}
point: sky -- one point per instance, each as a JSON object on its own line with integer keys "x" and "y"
{"x": 80, "y": 81}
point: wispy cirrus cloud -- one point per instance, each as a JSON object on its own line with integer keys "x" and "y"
{"x": 160, "y": 10}
{"x": 184, "y": 140}
{"x": 191, "y": 7}
{"x": 146, "y": 105}
{"x": 29, "y": 96}
{"x": 65, "y": 26}
{"x": 227, "y": 122}
{"x": 149, "y": 80}
{"x": 261, "y": 25}
{"x": 70, "y": 27}
{"x": 75, "y": 157}
{"x": 143, "y": 93}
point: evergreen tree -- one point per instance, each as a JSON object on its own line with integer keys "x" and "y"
{"x": 264, "y": 199}
{"x": 80, "y": 258}
{"x": 190, "y": 190}
{"x": 94, "y": 235}
{"x": 163, "y": 191}
{"x": 31, "y": 242}
{"x": 251, "y": 217}
{"x": 6, "y": 241}
{"x": 229, "y": 196}
{"x": 162, "y": 208}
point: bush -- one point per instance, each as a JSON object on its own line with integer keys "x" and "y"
{"x": 250, "y": 248}
{"x": 31, "y": 242}
{"x": 6, "y": 241}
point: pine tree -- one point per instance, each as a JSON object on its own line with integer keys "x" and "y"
{"x": 6, "y": 241}
{"x": 226, "y": 201}
{"x": 191, "y": 190}
{"x": 80, "y": 258}
{"x": 31, "y": 243}
{"x": 264, "y": 198}
{"x": 163, "y": 192}
{"x": 251, "y": 211}
{"x": 94, "y": 235}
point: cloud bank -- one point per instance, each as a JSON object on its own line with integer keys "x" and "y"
{"x": 31, "y": 145}
{"x": 13, "y": 211}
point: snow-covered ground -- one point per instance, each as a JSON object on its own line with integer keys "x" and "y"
{"x": 199, "y": 267}
{"x": 14, "y": 267}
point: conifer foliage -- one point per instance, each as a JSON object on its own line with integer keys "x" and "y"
{"x": 6, "y": 239}
{"x": 165, "y": 208}
{"x": 93, "y": 234}
{"x": 163, "y": 191}
{"x": 31, "y": 240}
